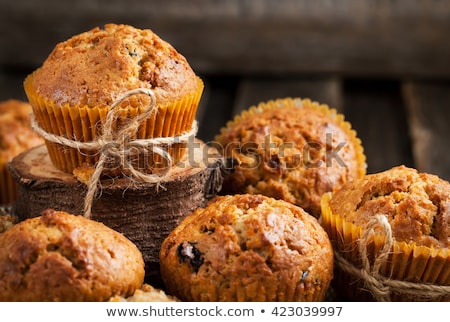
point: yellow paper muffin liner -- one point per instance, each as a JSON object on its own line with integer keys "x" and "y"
{"x": 8, "y": 186}
{"x": 308, "y": 104}
{"x": 83, "y": 124}
{"x": 424, "y": 267}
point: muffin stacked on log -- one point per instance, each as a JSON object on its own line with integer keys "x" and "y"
{"x": 116, "y": 107}
{"x": 78, "y": 83}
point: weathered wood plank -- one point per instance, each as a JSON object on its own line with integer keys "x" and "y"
{"x": 350, "y": 37}
{"x": 215, "y": 106}
{"x": 375, "y": 110}
{"x": 428, "y": 105}
{"x": 252, "y": 91}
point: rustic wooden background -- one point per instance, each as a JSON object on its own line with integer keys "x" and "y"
{"x": 385, "y": 64}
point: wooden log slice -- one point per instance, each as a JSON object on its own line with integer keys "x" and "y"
{"x": 141, "y": 211}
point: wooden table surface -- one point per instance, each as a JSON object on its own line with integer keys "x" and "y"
{"x": 384, "y": 65}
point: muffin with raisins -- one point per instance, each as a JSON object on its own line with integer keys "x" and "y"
{"x": 247, "y": 247}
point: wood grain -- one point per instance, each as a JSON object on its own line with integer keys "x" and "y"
{"x": 428, "y": 106}
{"x": 351, "y": 37}
{"x": 252, "y": 91}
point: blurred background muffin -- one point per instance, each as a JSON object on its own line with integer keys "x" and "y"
{"x": 394, "y": 226}
{"x": 146, "y": 293}
{"x": 291, "y": 149}
{"x": 62, "y": 257}
{"x": 16, "y": 136}
{"x": 247, "y": 248}
{"x": 84, "y": 75}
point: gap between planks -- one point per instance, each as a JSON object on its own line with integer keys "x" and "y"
{"x": 428, "y": 107}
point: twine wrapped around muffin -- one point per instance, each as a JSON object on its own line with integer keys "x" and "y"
{"x": 367, "y": 255}
{"x": 380, "y": 286}
{"x": 113, "y": 146}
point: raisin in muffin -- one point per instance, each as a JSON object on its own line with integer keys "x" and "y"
{"x": 16, "y": 136}
{"x": 62, "y": 257}
{"x": 291, "y": 149}
{"x": 247, "y": 248}
{"x": 84, "y": 75}
{"x": 399, "y": 217}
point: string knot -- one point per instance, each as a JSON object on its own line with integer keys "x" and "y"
{"x": 120, "y": 148}
{"x": 380, "y": 286}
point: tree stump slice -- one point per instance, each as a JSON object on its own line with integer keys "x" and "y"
{"x": 143, "y": 212}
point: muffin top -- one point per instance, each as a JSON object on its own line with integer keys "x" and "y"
{"x": 93, "y": 68}
{"x": 417, "y": 205}
{"x": 16, "y": 134}
{"x": 62, "y": 257}
{"x": 291, "y": 149}
{"x": 146, "y": 293}
{"x": 274, "y": 249}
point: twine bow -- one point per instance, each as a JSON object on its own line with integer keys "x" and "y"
{"x": 380, "y": 286}
{"x": 120, "y": 147}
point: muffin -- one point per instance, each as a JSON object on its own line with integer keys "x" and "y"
{"x": 6, "y": 221}
{"x": 62, "y": 257}
{"x": 391, "y": 235}
{"x": 291, "y": 149}
{"x": 83, "y": 77}
{"x": 16, "y": 136}
{"x": 146, "y": 293}
{"x": 247, "y": 248}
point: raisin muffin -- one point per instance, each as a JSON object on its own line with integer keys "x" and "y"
{"x": 16, "y": 136}
{"x": 247, "y": 247}
{"x": 291, "y": 149}
{"x": 388, "y": 228}
{"x": 62, "y": 257}
{"x": 146, "y": 293}
{"x": 83, "y": 76}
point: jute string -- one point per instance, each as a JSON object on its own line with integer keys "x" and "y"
{"x": 380, "y": 286}
{"x": 120, "y": 146}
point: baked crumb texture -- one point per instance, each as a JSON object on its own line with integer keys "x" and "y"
{"x": 63, "y": 257}
{"x": 291, "y": 149}
{"x": 83, "y": 77}
{"x": 247, "y": 248}
{"x": 16, "y": 136}
{"x": 146, "y": 293}
{"x": 392, "y": 226}
{"x": 6, "y": 221}
{"x": 93, "y": 68}
{"x": 417, "y": 205}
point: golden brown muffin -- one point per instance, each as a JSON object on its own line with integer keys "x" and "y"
{"x": 402, "y": 208}
{"x": 146, "y": 293}
{"x": 247, "y": 248}
{"x": 16, "y": 136}
{"x": 84, "y": 75}
{"x": 6, "y": 221}
{"x": 62, "y": 257}
{"x": 291, "y": 149}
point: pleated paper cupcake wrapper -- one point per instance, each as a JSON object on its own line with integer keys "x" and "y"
{"x": 8, "y": 186}
{"x": 241, "y": 292}
{"x": 307, "y": 104}
{"x": 406, "y": 261}
{"x": 81, "y": 123}
{"x": 254, "y": 288}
